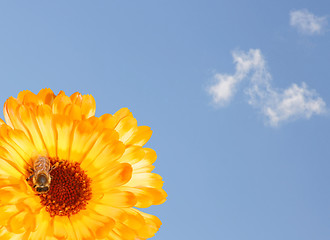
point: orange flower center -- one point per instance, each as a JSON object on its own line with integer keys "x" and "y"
{"x": 69, "y": 191}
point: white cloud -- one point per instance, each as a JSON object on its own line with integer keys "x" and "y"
{"x": 277, "y": 105}
{"x": 225, "y": 87}
{"x": 307, "y": 23}
{"x": 287, "y": 105}
{"x": 223, "y": 90}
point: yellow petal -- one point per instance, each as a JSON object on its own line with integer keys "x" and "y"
{"x": 29, "y": 220}
{"x": 101, "y": 224}
{"x": 126, "y": 128}
{"x": 21, "y": 143}
{"x": 133, "y": 219}
{"x": 114, "y": 236}
{"x": 106, "y": 138}
{"x": 125, "y": 232}
{"x": 64, "y": 127}
{"x": 147, "y": 196}
{"x": 104, "y": 180}
{"x": 47, "y": 96}
{"x": 76, "y": 98}
{"x": 44, "y": 228}
{"x": 21, "y": 95}
{"x": 129, "y": 132}
{"x": 63, "y": 228}
{"x": 16, "y": 192}
{"x": 7, "y": 211}
{"x": 90, "y": 225}
{"x": 45, "y": 123}
{"x": 84, "y": 137}
{"x": 16, "y": 222}
{"x": 12, "y": 116}
{"x": 151, "y": 226}
{"x": 30, "y": 99}
{"x": 109, "y": 121}
{"x": 88, "y": 106}
{"x": 116, "y": 198}
{"x": 140, "y": 137}
{"x": 31, "y": 202}
{"x": 5, "y": 235}
{"x": 145, "y": 164}
{"x": 132, "y": 155}
{"x": 73, "y": 111}
{"x": 7, "y": 169}
{"x": 112, "y": 212}
{"x": 152, "y": 180}
{"x": 13, "y": 158}
{"x": 29, "y": 119}
{"x": 104, "y": 159}
{"x": 122, "y": 113}
{"x": 140, "y": 158}
{"x": 60, "y": 103}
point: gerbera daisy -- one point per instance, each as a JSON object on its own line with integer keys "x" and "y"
{"x": 99, "y": 171}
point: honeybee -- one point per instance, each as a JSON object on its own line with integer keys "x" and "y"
{"x": 41, "y": 174}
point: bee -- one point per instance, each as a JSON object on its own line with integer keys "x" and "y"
{"x": 41, "y": 174}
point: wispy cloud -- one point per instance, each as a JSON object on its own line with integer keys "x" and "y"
{"x": 225, "y": 87}
{"x": 307, "y": 23}
{"x": 277, "y": 105}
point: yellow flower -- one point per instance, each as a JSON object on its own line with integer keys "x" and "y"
{"x": 98, "y": 166}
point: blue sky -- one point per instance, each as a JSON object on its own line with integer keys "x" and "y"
{"x": 248, "y": 160}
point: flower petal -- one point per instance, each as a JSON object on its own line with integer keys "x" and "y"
{"x": 151, "y": 226}
{"x": 124, "y": 231}
{"x": 64, "y": 127}
{"x": 145, "y": 165}
{"x": 106, "y": 138}
{"x": 116, "y": 198}
{"x": 62, "y": 228}
{"x": 140, "y": 158}
{"x": 88, "y": 106}
{"x": 104, "y": 180}
{"x": 47, "y": 96}
{"x": 12, "y": 117}
{"x": 7, "y": 169}
{"x": 146, "y": 179}
{"x": 73, "y": 111}
{"x": 28, "y": 117}
{"x": 13, "y": 158}
{"x": 129, "y": 132}
{"x": 122, "y": 113}
{"x": 45, "y": 122}
{"x": 60, "y": 103}
{"x": 126, "y": 128}
{"x": 90, "y": 225}
{"x": 84, "y": 137}
{"x": 22, "y": 221}
{"x": 44, "y": 228}
{"x": 147, "y": 196}
{"x": 16, "y": 140}
{"x": 105, "y": 158}
{"x": 28, "y": 98}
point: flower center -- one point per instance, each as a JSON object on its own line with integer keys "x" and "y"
{"x": 69, "y": 191}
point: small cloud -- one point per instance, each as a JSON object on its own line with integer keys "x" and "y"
{"x": 277, "y": 105}
{"x": 287, "y": 105}
{"x": 225, "y": 87}
{"x": 307, "y": 23}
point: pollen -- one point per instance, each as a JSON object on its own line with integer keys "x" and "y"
{"x": 70, "y": 189}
